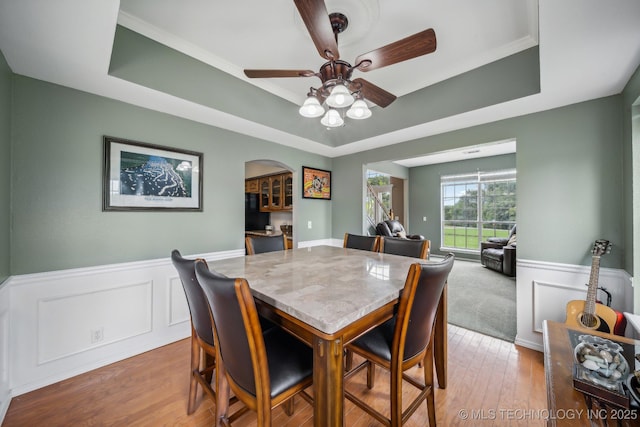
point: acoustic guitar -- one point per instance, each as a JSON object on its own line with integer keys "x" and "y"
{"x": 591, "y": 314}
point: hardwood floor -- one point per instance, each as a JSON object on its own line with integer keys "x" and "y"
{"x": 491, "y": 383}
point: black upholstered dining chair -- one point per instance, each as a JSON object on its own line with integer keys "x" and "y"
{"x": 405, "y": 247}
{"x": 261, "y": 244}
{"x": 404, "y": 341}
{"x": 264, "y": 368}
{"x": 202, "y": 341}
{"x": 365, "y": 243}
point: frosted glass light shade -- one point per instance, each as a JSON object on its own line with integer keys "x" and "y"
{"x": 311, "y": 108}
{"x": 340, "y": 97}
{"x": 359, "y": 110}
{"x": 332, "y": 119}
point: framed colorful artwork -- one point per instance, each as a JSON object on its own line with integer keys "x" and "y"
{"x": 316, "y": 183}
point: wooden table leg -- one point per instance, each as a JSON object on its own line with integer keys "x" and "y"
{"x": 328, "y": 391}
{"x": 440, "y": 342}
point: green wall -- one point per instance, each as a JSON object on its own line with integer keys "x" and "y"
{"x": 424, "y": 188}
{"x": 572, "y": 181}
{"x": 569, "y": 163}
{"x": 631, "y": 117}
{"x": 5, "y": 163}
{"x": 58, "y": 221}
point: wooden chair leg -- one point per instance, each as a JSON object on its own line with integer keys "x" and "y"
{"x": 193, "y": 383}
{"x": 396, "y": 399}
{"x": 348, "y": 360}
{"x": 428, "y": 380}
{"x": 371, "y": 374}
{"x": 288, "y": 406}
{"x": 209, "y": 360}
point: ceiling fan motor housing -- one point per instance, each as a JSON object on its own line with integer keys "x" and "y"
{"x": 334, "y": 70}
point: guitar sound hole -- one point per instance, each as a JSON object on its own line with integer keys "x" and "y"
{"x": 593, "y": 321}
{"x": 589, "y": 320}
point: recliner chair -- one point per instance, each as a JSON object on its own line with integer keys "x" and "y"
{"x": 393, "y": 228}
{"x": 499, "y": 253}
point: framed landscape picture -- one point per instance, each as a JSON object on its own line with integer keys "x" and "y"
{"x": 140, "y": 176}
{"x": 316, "y": 183}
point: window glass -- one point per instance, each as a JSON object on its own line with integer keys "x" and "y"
{"x": 477, "y": 206}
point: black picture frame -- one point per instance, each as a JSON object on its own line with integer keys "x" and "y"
{"x": 138, "y": 176}
{"x": 316, "y": 183}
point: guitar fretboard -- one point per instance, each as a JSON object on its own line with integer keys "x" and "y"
{"x": 590, "y": 303}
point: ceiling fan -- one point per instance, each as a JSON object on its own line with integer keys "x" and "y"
{"x": 324, "y": 29}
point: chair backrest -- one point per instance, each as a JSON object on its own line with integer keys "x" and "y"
{"x": 238, "y": 331}
{"x": 405, "y": 247}
{"x": 258, "y": 245}
{"x": 365, "y": 243}
{"x": 418, "y": 306}
{"x": 198, "y": 307}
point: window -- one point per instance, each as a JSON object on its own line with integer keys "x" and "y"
{"x": 477, "y": 206}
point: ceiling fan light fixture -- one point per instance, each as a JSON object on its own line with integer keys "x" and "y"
{"x": 335, "y": 74}
{"x": 340, "y": 97}
{"x": 359, "y": 110}
{"x": 311, "y": 107}
{"x": 332, "y": 119}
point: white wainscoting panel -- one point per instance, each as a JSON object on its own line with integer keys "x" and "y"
{"x": 177, "y": 307}
{"x": 75, "y": 323}
{"x": 65, "y": 323}
{"x": 544, "y": 289}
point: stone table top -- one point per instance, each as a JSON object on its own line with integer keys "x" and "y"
{"x": 324, "y": 286}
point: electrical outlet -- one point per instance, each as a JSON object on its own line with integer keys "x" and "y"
{"x": 424, "y": 218}
{"x": 309, "y": 224}
{"x": 97, "y": 335}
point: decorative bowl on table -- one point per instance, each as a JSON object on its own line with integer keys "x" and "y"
{"x": 601, "y": 362}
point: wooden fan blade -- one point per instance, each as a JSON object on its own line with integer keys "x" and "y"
{"x": 315, "y": 16}
{"x": 260, "y": 74}
{"x": 373, "y": 93}
{"x": 411, "y": 47}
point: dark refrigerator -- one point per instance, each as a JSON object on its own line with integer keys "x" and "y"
{"x": 253, "y": 218}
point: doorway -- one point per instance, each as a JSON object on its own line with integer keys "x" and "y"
{"x": 385, "y": 198}
{"x": 265, "y": 210}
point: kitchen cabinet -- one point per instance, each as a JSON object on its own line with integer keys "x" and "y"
{"x": 265, "y": 194}
{"x": 276, "y": 192}
{"x": 252, "y": 186}
{"x": 287, "y": 191}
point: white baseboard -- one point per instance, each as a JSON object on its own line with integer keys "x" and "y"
{"x": 533, "y": 345}
{"x": 327, "y": 242}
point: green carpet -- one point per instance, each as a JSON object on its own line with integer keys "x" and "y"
{"x": 482, "y": 300}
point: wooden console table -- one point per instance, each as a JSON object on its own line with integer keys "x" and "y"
{"x": 568, "y": 406}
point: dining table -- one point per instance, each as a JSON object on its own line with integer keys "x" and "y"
{"x": 328, "y": 296}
